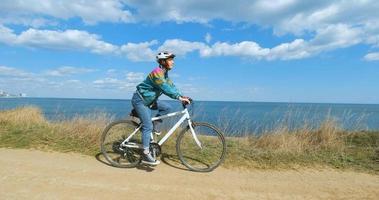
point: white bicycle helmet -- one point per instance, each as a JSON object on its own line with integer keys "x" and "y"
{"x": 164, "y": 55}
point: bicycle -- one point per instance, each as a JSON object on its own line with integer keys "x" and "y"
{"x": 200, "y": 146}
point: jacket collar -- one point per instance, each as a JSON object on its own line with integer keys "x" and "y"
{"x": 164, "y": 69}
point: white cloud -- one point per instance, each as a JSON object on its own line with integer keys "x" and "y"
{"x": 296, "y": 49}
{"x": 6, "y": 35}
{"x": 372, "y": 56}
{"x": 76, "y": 40}
{"x": 243, "y": 49}
{"x": 336, "y": 36}
{"x": 303, "y": 20}
{"x": 107, "y": 81}
{"x": 341, "y": 23}
{"x": 13, "y": 72}
{"x": 67, "y": 71}
{"x": 181, "y": 47}
{"x": 17, "y": 80}
{"x": 69, "y": 39}
{"x": 43, "y": 83}
{"x": 330, "y": 38}
{"x": 285, "y": 16}
{"x": 139, "y": 51}
{"x": 113, "y": 84}
{"x": 126, "y": 84}
{"x": 90, "y": 11}
{"x": 249, "y": 49}
{"x": 28, "y": 21}
{"x": 134, "y": 77}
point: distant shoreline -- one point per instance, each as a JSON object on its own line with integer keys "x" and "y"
{"x": 11, "y": 97}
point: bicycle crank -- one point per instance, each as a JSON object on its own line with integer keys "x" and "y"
{"x": 155, "y": 148}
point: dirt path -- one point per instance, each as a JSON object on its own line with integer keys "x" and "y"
{"x": 29, "y": 174}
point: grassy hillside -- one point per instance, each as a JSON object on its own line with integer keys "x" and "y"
{"x": 329, "y": 145}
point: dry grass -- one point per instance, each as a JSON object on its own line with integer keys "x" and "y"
{"x": 26, "y": 127}
{"x": 328, "y": 136}
{"x": 88, "y": 128}
{"x": 25, "y": 116}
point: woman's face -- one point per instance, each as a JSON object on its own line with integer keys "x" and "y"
{"x": 170, "y": 63}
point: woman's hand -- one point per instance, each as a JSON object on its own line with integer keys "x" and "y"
{"x": 185, "y": 100}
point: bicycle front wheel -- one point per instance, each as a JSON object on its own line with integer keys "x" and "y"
{"x": 112, "y": 147}
{"x": 205, "y": 157}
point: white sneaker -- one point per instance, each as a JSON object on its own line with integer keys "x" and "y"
{"x": 148, "y": 159}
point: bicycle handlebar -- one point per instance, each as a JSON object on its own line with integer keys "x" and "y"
{"x": 185, "y": 104}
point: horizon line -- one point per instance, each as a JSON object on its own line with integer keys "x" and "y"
{"x": 237, "y": 101}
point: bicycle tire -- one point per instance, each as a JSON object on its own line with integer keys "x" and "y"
{"x": 206, "y": 159}
{"x": 116, "y": 155}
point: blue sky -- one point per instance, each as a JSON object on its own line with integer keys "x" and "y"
{"x": 241, "y": 50}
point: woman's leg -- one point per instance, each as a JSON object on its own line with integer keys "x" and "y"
{"x": 163, "y": 109}
{"x": 144, "y": 114}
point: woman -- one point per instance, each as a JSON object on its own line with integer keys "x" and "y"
{"x": 146, "y": 95}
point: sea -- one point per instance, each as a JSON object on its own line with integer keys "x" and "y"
{"x": 234, "y": 118}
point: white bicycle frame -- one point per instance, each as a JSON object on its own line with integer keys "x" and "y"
{"x": 185, "y": 116}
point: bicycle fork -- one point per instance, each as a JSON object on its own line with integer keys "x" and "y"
{"x": 194, "y": 134}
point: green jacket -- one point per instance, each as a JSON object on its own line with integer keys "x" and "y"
{"x": 156, "y": 83}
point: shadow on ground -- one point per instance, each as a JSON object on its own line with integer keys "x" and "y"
{"x": 168, "y": 159}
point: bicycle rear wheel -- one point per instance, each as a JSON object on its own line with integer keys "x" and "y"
{"x": 212, "y": 151}
{"x": 114, "y": 152}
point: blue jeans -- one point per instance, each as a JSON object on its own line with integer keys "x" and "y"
{"x": 144, "y": 113}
